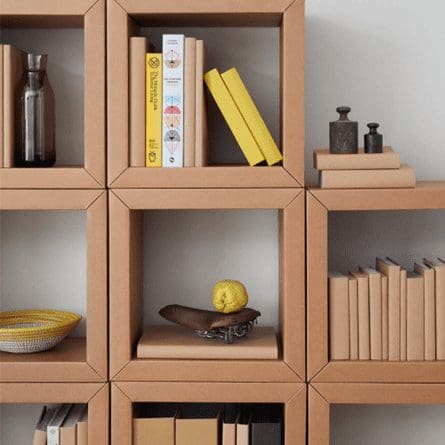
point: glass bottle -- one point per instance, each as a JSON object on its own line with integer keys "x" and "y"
{"x": 35, "y": 115}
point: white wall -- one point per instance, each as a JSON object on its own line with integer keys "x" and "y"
{"x": 384, "y": 58}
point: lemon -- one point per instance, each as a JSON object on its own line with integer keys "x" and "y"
{"x": 229, "y": 296}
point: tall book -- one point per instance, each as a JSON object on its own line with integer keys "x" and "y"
{"x": 189, "y": 101}
{"x": 375, "y": 312}
{"x": 82, "y": 428}
{"x": 252, "y": 116}
{"x": 403, "y": 313}
{"x": 415, "y": 327}
{"x": 364, "y": 352}
{"x": 201, "y": 153}
{"x": 392, "y": 271}
{"x": 384, "y": 317}
{"x": 53, "y": 428}
{"x": 153, "y": 130}
{"x": 430, "y": 309}
{"x": 439, "y": 270}
{"x": 197, "y": 424}
{"x": 12, "y": 74}
{"x": 266, "y": 426}
{"x": 40, "y": 433}
{"x": 353, "y": 318}
{"x": 138, "y": 48}
{"x": 173, "y": 100}
{"x": 233, "y": 117}
{"x": 338, "y": 316}
{"x": 156, "y": 427}
{"x": 68, "y": 430}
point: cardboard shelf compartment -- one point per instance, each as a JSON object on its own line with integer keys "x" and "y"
{"x": 126, "y": 278}
{"x": 124, "y": 395}
{"x": 426, "y": 195}
{"x": 81, "y": 157}
{"x": 75, "y": 359}
{"x": 132, "y": 18}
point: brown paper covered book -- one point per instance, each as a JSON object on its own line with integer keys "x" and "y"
{"x": 178, "y": 342}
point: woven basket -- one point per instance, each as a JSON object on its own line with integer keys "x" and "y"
{"x": 34, "y": 331}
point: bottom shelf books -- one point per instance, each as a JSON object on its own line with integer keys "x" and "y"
{"x": 208, "y": 424}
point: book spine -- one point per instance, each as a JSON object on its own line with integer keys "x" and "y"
{"x": 189, "y": 102}
{"x": 363, "y": 319}
{"x": 173, "y": 100}
{"x": 233, "y": 117}
{"x": 138, "y": 48}
{"x": 153, "y": 131}
{"x": 384, "y": 317}
{"x": 339, "y": 318}
{"x": 353, "y": 319}
{"x": 403, "y": 304}
{"x": 53, "y": 434}
{"x": 415, "y": 319}
{"x": 252, "y": 116}
{"x": 375, "y": 316}
{"x": 440, "y": 312}
{"x": 201, "y": 115}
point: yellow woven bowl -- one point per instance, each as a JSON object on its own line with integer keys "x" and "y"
{"x": 35, "y": 330}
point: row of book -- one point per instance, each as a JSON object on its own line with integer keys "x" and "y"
{"x": 168, "y": 107}
{"x": 388, "y": 313}
{"x": 65, "y": 424}
{"x": 208, "y": 424}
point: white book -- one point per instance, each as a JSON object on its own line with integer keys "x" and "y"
{"x": 53, "y": 429}
{"x": 173, "y": 100}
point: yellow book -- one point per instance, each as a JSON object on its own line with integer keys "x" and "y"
{"x": 153, "y": 131}
{"x": 252, "y": 116}
{"x": 233, "y": 117}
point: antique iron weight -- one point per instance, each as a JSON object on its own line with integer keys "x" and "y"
{"x": 343, "y": 134}
{"x": 373, "y": 140}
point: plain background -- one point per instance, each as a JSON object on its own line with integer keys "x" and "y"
{"x": 384, "y": 58}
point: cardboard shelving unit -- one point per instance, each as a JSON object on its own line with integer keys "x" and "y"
{"x": 75, "y": 359}
{"x": 64, "y": 14}
{"x": 96, "y": 395}
{"x": 291, "y": 395}
{"x": 426, "y": 196}
{"x": 124, "y": 20}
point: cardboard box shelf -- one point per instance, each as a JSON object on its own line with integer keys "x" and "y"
{"x": 126, "y": 285}
{"x": 96, "y": 395}
{"x": 124, "y": 20}
{"x": 322, "y": 395}
{"x": 89, "y": 15}
{"x": 74, "y": 359}
{"x": 426, "y": 195}
{"x": 125, "y": 394}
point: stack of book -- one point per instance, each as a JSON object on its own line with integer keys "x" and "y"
{"x": 208, "y": 424}
{"x": 388, "y": 313}
{"x": 168, "y": 124}
{"x": 363, "y": 170}
{"x": 62, "y": 425}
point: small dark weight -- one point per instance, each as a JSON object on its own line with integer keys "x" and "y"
{"x": 373, "y": 140}
{"x": 343, "y": 134}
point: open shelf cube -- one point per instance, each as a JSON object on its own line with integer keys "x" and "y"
{"x": 60, "y": 28}
{"x": 125, "y": 394}
{"x": 126, "y": 277}
{"x": 322, "y": 395}
{"x": 426, "y": 195}
{"x": 96, "y": 395}
{"x": 134, "y": 17}
{"x": 77, "y": 359}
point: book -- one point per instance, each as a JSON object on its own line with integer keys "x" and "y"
{"x": 201, "y": 154}
{"x": 392, "y": 271}
{"x": 179, "y": 342}
{"x": 364, "y": 352}
{"x": 156, "y": 427}
{"x": 353, "y": 319}
{"x": 12, "y": 75}
{"x": 414, "y": 317}
{"x": 53, "y": 428}
{"x": 229, "y": 425}
{"x": 233, "y": 117}
{"x": 375, "y": 312}
{"x": 82, "y": 428}
{"x": 430, "y": 309}
{"x": 384, "y": 317}
{"x": 405, "y": 177}
{"x": 197, "y": 424}
{"x": 439, "y": 273}
{"x": 42, "y": 424}
{"x": 189, "y": 101}
{"x": 252, "y": 116}
{"x": 173, "y": 100}
{"x": 138, "y": 48}
{"x": 323, "y": 160}
{"x": 243, "y": 427}
{"x": 265, "y": 425}
{"x": 403, "y": 302}
{"x": 68, "y": 430}
{"x": 153, "y": 130}
{"x": 338, "y": 316}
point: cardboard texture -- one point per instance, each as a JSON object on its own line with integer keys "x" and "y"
{"x": 153, "y": 431}
{"x": 1, "y": 106}
{"x": 415, "y": 313}
{"x": 403, "y": 313}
